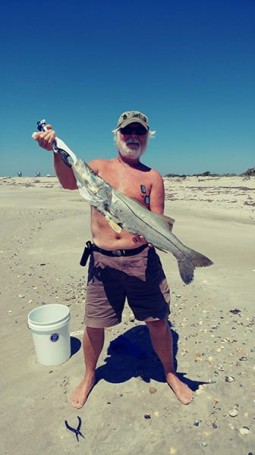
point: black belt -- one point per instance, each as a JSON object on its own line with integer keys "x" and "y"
{"x": 90, "y": 247}
{"x": 131, "y": 252}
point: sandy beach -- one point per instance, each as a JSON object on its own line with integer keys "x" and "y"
{"x": 131, "y": 410}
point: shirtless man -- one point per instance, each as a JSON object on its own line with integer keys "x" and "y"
{"x": 121, "y": 264}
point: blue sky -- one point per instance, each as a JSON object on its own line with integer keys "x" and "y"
{"x": 189, "y": 65}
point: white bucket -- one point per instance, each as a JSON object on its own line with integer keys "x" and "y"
{"x": 51, "y": 335}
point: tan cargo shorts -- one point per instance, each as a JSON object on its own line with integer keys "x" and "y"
{"x": 114, "y": 277}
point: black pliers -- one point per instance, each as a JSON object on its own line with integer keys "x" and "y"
{"x": 75, "y": 430}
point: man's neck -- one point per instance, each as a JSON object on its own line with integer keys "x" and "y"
{"x": 129, "y": 162}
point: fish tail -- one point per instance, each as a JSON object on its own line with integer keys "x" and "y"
{"x": 188, "y": 262}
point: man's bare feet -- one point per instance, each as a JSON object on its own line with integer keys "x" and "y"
{"x": 181, "y": 390}
{"x": 82, "y": 391}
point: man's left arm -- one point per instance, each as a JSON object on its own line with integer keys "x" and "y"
{"x": 157, "y": 194}
{"x": 157, "y": 200}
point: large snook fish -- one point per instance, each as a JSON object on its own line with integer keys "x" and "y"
{"x": 125, "y": 213}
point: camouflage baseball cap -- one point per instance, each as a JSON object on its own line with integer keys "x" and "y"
{"x": 133, "y": 117}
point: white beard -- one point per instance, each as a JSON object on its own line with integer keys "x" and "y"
{"x": 125, "y": 150}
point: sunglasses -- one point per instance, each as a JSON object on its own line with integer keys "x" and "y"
{"x": 139, "y": 130}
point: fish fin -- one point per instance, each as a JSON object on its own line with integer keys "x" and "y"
{"x": 161, "y": 249}
{"x": 189, "y": 262}
{"x": 114, "y": 226}
{"x": 169, "y": 221}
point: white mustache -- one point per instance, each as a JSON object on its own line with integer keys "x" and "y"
{"x": 132, "y": 141}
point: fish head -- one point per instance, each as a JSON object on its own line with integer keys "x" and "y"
{"x": 92, "y": 184}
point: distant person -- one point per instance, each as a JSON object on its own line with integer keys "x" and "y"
{"x": 123, "y": 265}
{"x": 19, "y": 174}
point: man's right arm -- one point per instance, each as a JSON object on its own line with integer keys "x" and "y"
{"x": 63, "y": 172}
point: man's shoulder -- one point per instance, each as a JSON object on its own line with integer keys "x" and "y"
{"x": 155, "y": 174}
{"x": 152, "y": 171}
{"x": 99, "y": 163}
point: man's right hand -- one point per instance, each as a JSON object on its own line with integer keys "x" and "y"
{"x": 45, "y": 139}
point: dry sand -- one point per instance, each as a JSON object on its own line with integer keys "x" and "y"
{"x": 43, "y": 230}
